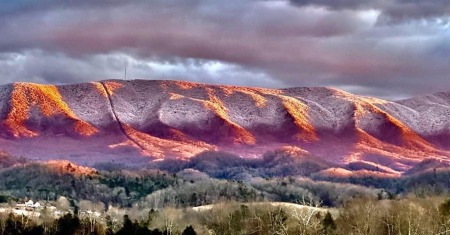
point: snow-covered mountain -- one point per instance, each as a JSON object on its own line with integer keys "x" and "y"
{"x": 140, "y": 120}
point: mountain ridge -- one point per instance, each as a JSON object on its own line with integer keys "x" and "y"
{"x": 114, "y": 118}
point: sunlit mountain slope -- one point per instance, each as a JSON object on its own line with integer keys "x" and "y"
{"x": 146, "y": 120}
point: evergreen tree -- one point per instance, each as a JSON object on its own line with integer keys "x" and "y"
{"x": 68, "y": 224}
{"x": 156, "y": 232}
{"x": 444, "y": 208}
{"x": 151, "y": 216}
{"x": 130, "y": 228}
{"x": 109, "y": 225}
{"x": 127, "y": 228}
{"x": 328, "y": 223}
{"x": 36, "y": 230}
{"x": 189, "y": 230}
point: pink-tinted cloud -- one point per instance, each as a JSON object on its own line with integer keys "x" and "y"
{"x": 260, "y": 43}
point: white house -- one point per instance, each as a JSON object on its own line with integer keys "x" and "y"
{"x": 30, "y": 203}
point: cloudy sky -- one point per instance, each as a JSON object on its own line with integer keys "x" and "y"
{"x": 388, "y": 48}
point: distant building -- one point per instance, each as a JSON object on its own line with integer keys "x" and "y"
{"x": 30, "y": 204}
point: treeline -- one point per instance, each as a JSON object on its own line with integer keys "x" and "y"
{"x": 158, "y": 189}
{"x": 431, "y": 182}
{"x": 191, "y": 187}
{"x": 208, "y": 191}
{"x": 73, "y": 225}
{"x": 214, "y": 176}
{"x": 224, "y": 165}
{"x": 358, "y": 216}
{"x": 6, "y": 160}
{"x": 45, "y": 182}
{"x": 430, "y": 177}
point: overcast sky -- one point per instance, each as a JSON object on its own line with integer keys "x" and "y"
{"x": 389, "y": 48}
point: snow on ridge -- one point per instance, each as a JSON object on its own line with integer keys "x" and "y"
{"x": 191, "y": 117}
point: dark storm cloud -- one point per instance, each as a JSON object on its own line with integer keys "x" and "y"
{"x": 259, "y": 43}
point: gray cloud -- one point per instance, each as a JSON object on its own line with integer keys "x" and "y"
{"x": 396, "y": 10}
{"x": 41, "y": 67}
{"x": 258, "y": 43}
